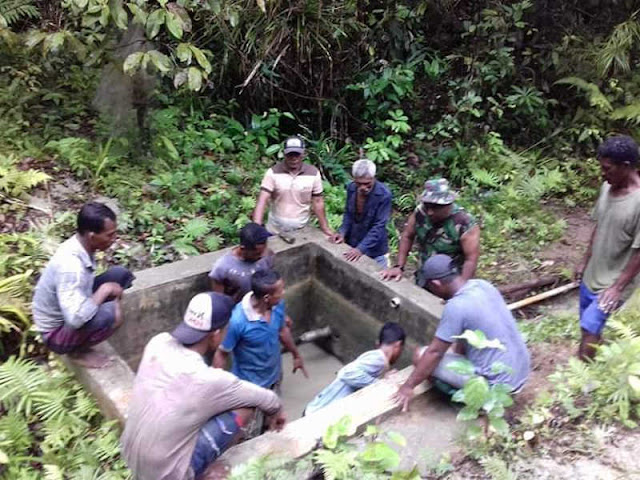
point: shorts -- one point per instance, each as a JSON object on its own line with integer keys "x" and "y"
{"x": 216, "y": 436}
{"x": 592, "y": 319}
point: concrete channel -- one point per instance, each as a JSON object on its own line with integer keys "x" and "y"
{"x": 321, "y": 290}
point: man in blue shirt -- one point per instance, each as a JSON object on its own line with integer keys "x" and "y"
{"x": 368, "y": 209}
{"x": 257, "y": 327}
{"x": 365, "y": 369}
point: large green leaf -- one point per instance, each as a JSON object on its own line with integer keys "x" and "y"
{"x": 201, "y": 58}
{"x": 174, "y": 25}
{"x": 184, "y": 52}
{"x": 194, "y": 79}
{"x": 132, "y": 63}
{"x": 382, "y": 455}
{"x": 139, "y": 15}
{"x": 154, "y": 22}
{"x": 478, "y": 339}
{"x": 160, "y": 61}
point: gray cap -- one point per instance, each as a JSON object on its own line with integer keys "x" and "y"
{"x": 294, "y": 145}
{"x": 435, "y": 268}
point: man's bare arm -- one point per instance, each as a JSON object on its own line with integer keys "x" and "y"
{"x": 261, "y": 206}
{"x": 221, "y": 359}
{"x": 404, "y": 247}
{"x": 611, "y": 298}
{"x": 317, "y": 205}
{"x": 286, "y": 338}
{"x": 470, "y": 243}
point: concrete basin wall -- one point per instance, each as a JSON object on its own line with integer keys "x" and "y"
{"x": 322, "y": 289}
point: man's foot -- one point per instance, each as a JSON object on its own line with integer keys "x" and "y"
{"x": 90, "y": 359}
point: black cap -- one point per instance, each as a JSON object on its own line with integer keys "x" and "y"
{"x": 253, "y": 234}
{"x": 435, "y": 268}
{"x": 206, "y": 313}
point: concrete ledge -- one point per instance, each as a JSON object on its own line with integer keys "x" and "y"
{"x": 110, "y": 386}
{"x": 301, "y": 436}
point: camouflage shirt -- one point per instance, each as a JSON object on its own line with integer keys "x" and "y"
{"x": 444, "y": 237}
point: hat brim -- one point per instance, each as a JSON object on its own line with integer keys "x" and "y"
{"x": 438, "y": 201}
{"x": 188, "y": 335}
{"x": 299, "y": 150}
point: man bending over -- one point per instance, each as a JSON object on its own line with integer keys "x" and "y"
{"x": 72, "y": 308}
{"x": 183, "y": 414}
{"x": 231, "y": 274}
{"x": 471, "y": 305}
{"x": 364, "y": 370}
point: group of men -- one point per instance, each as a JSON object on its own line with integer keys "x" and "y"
{"x": 186, "y": 408}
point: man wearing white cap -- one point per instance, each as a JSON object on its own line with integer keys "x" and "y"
{"x": 294, "y": 189}
{"x": 183, "y": 414}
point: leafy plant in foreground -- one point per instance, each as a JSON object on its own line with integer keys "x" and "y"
{"x": 477, "y": 395}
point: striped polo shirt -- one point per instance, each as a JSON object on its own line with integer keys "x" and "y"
{"x": 291, "y": 195}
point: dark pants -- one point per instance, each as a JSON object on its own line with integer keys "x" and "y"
{"x": 66, "y": 339}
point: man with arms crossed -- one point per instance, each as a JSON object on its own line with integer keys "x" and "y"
{"x": 183, "y": 414}
{"x": 72, "y": 308}
{"x": 610, "y": 267}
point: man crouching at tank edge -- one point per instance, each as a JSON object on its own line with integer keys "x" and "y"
{"x": 183, "y": 414}
{"x": 72, "y": 308}
{"x": 471, "y": 305}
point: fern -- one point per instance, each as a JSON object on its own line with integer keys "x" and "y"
{"x": 196, "y": 228}
{"x": 336, "y": 464}
{"x": 497, "y": 469}
{"x": 11, "y": 11}
{"x": 14, "y": 181}
{"x": 485, "y": 177}
{"x": 630, "y": 113}
{"x": 21, "y": 384}
{"x": 15, "y": 434}
{"x": 615, "y": 53}
{"x": 594, "y": 94}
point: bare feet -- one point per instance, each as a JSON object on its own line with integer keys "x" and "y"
{"x": 90, "y": 359}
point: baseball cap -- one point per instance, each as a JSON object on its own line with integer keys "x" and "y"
{"x": 293, "y": 145}
{"x": 435, "y": 268}
{"x": 253, "y": 234}
{"x": 438, "y": 192}
{"x": 205, "y": 313}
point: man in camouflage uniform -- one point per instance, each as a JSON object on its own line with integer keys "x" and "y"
{"x": 440, "y": 226}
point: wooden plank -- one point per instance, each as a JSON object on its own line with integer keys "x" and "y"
{"x": 301, "y": 436}
{"x": 543, "y": 296}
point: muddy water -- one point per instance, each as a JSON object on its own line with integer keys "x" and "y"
{"x": 297, "y": 390}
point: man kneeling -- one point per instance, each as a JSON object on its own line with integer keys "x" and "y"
{"x": 365, "y": 369}
{"x": 72, "y": 308}
{"x": 471, "y": 305}
{"x": 183, "y": 414}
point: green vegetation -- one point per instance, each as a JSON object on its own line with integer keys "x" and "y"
{"x": 175, "y": 109}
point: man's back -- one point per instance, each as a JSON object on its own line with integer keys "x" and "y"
{"x": 479, "y": 306}
{"x": 71, "y": 271}
{"x": 175, "y": 393}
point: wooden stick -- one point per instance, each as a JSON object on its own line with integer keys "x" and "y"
{"x": 543, "y": 296}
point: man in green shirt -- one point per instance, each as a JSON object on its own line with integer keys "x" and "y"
{"x": 612, "y": 261}
{"x": 439, "y": 225}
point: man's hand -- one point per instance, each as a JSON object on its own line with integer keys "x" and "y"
{"x": 404, "y": 396}
{"x": 336, "y": 238}
{"x": 609, "y": 300}
{"x": 329, "y": 233}
{"x": 353, "y": 255}
{"x": 276, "y": 421}
{"x": 393, "y": 273}
{"x": 298, "y": 364}
{"x": 106, "y": 292}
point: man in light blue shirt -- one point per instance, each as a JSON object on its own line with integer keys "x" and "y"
{"x": 364, "y": 370}
{"x": 471, "y": 305}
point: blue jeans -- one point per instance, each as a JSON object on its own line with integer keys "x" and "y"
{"x": 214, "y": 437}
{"x": 592, "y": 319}
{"x": 382, "y": 261}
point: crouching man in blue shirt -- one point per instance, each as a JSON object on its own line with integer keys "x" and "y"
{"x": 365, "y": 369}
{"x": 368, "y": 209}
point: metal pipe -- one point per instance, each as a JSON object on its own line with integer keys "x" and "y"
{"x": 313, "y": 335}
